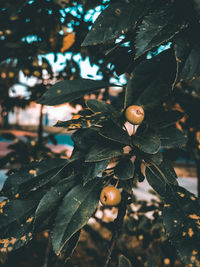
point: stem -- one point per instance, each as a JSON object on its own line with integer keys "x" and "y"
{"x": 117, "y": 227}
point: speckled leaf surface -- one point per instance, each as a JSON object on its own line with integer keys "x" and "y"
{"x": 118, "y": 18}
{"x": 74, "y": 212}
{"x": 52, "y": 198}
{"x": 181, "y": 218}
{"x": 158, "y": 27}
{"x": 69, "y": 90}
{"x": 31, "y": 177}
{"x": 83, "y": 122}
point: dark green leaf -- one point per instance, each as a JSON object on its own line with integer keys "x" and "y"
{"x": 102, "y": 151}
{"x": 105, "y": 108}
{"x": 171, "y": 137}
{"x": 147, "y": 142}
{"x": 149, "y": 83}
{"x": 115, "y": 133}
{"x": 181, "y": 218}
{"x": 85, "y": 138}
{"x": 52, "y": 198}
{"x": 19, "y": 236}
{"x": 154, "y": 158}
{"x": 31, "y": 177}
{"x": 161, "y": 176}
{"x": 116, "y": 20}
{"x": 157, "y": 28}
{"x": 69, "y": 90}
{"x": 159, "y": 118}
{"x": 74, "y": 212}
{"x": 187, "y": 53}
{"x": 69, "y": 247}
{"x": 92, "y": 169}
{"x": 82, "y": 122}
{"x": 125, "y": 169}
{"x": 124, "y": 262}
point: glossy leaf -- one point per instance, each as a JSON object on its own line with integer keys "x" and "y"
{"x": 31, "y": 177}
{"x": 161, "y": 176}
{"x": 154, "y": 158}
{"x": 69, "y": 90}
{"x": 75, "y": 210}
{"x": 187, "y": 53}
{"x": 125, "y": 169}
{"x": 181, "y": 218}
{"x": 171, "y": 137}
{"x": 118, "y": 18}
{"x": 69, "y": 247}
{"x": 92, "y": 169}
{"x": 159, "y": 118}
{"x": 102, "y": 151}
{"x": 115, "y": 133}
{"x": 105, "y": 108}
{"x": 146, "y": 88}
{"x": 158, "y": 27}
{"x": 124, "y": 262}
{"x": 147, "y": 142}
{"x": 52, "y": 198}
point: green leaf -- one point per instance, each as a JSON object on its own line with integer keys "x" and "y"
{"x": 124, "y": 169}
{"x": 74, "y": 212}
{"x": 115, "y": 133}
{"x": 52, "y": 198}
{"x": 187, "y": 52}
{"x": 147, "y": 142}
{"x": 118, "y": 18}
{"x": 18, "y": 237}
{"x": 88, "y": 121}
{"x": 92, "y": 169}
{"x": 31, "y": 177}
{"x": 158, "y": 27}
{"x": 124, "y": 262}
{"x": 171, "y": 137}
{"x": 149, "y": 83}
{"x": 69, "y": 247}
{"x": 102, "y": 151}
{"x": 153, "y": 158}
{"x": 69, "y": 90}
{"x": 161, "y": 176}
{"x": 159, "y": 118}
{"x": 85, "y": 138}
{"x": 105, "y": 108}
{"x": 181, "y": 218}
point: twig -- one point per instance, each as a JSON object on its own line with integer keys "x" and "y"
{"x": 117, "y": 227}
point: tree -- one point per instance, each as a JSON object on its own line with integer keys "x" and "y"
{"x": 61, "y": 195}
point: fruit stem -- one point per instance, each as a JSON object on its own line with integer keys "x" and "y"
{"x": 118, "y": 222}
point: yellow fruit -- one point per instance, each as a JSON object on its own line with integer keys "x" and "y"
{"x": 134, "y": 114}
{"x": 110, "y": 196}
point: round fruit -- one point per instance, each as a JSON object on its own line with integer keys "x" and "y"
{"x": 110, "y": 196}
{"x": 134, "y": 114}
